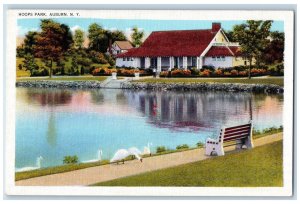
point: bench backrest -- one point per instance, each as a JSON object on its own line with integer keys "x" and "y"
{"x": 236, "y": 132}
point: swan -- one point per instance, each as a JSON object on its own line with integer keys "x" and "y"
{"x": 147, "y": 149}
{"x": 99, "y": 155}
{"x": 121, "y": 154}
{"x": 30, "y": 168}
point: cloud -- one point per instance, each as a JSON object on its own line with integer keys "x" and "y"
{"x": 76, "y": 27}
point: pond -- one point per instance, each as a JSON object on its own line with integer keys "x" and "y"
{"x": 54, "y": 123}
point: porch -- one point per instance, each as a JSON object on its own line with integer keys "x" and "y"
{"x": 168, "y": 63}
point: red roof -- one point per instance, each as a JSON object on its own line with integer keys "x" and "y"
{"x": 173, "y": 43}
{"x": 236, "y": 50}
{"x": 219, "y": 51}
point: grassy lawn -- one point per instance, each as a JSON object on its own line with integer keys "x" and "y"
{"x": 261, "y": 166}
{"x": 66, "y": 78}
{"x": 258, "y": 80}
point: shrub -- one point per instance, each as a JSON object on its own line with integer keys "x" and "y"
{"x": 243, "y": 73}
{"x": 161, "y": 149}
{"x": 84, "y": 61}
{"x": 200, "y": 144}
{"x": 70, "y": 159}
{"x": 195, "y": 71}
{"x": 164, "y": 74}
{"x": 180, "y": 73}
{"x": 209, "y": 67}
{"x": 219, "y": 72}
{"x": 234, "y": 72}
{"x": 205, "y": 73}
{"x": 40, "y": 72}
{"x": 184, "y": 146}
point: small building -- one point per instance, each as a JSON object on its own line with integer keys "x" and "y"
{"x": 164, "y": 50}
{"x": 119, "y": 47}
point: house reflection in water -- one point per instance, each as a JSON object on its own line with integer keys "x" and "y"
{"x": 194, "y": 110}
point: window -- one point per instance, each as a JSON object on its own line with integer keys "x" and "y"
{"x": 218, "y": 58}
{"x": 124, "y": 58}
{"x": 131, "y": 58}
{"x": 213, "y": 58}
{"x": 223, "y": 58}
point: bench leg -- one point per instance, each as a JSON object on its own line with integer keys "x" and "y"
{"x": 249, "y": 142}
{"x": 239, "y": 144}
{"x": 217, "y": 148}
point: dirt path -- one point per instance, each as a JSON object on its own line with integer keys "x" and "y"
{"x": 108, "y": 172}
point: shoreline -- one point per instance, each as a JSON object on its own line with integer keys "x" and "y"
{"x": 91, "y": 175}
{"x": 176, "y": 86}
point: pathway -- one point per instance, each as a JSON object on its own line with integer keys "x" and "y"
{"x": 110, "y": 83}
{"x": 113, "y": 171}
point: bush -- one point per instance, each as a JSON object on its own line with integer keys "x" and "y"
{"x": 40, "y": 72}
{"x": 205, "y": 73}
{"x": 164, "y": 74}
{"x": 161, "y": 149}
{"x": 70, "y": 159}
{"x": 195, "y": 71}
{"x": 180, "y": 73}
{"x": 184, "y": 146}
{"x": 209, "y": 67}
{"x": 200, "y": 144}
{"x": 84, "y": 61}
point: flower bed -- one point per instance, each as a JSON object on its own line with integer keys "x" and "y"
{"x": 220, "y": 72}
{"x": 120, "y": 72}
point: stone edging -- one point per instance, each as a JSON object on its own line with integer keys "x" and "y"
{"x": 228, "y": 87}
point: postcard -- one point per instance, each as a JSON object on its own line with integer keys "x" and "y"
{"x": 149, "y": 102}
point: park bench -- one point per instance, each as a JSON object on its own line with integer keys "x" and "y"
{"x": 240, "y": 135}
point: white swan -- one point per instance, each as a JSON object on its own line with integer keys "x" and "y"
{"x": 30, "y": 168}
{"x": 121, "y": 154}
{"x": 99, "y": 155}
{"x": 147, "y": 149}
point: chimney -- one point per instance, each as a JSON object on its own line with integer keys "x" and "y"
{"x": 215, "y": 27}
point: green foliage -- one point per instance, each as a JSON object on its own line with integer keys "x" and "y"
{"x": 111, "y": 60}
{"x": 184, "y": 146}
{"x": 200, "y": 144}
{"x": 70, "y": 159}
{"x": 54, "y": 40}
{"x": 252, "y": 36}
{"x": 29, "y": 63}
{"x": 20, "y": 51}
{"x": 97, "y": 38}
{"x": 161, "y": 149}
{"x": 78, "y": 38}
{"x": 40, "y": 72}
{"x": 30, "y": 42}
{"x": 137, "y": 37}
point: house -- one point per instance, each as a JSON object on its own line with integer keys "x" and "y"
{"x": 119, "y": 47}
{"x": 164, "y": 50}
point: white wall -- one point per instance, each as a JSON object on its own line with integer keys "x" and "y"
{"x": 135, "y": 63}
{"x": 218, "y": 64}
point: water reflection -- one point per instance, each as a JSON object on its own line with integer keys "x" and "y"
{"x": 54, "y": 123}
{"x": 194, "y": 110}
{"x": 48, "y": 97}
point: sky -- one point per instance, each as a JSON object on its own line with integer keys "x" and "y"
{"x": 125, "y": 25}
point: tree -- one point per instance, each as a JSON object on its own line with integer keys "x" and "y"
{"x": 78, "y": 38}
{"x": 97, "y": 37}
{"x": 137, "y": 37}
{"x": 117, "y": 35}
{"x": 252, "y": 37}
{"x": 30, "y": 41}
{"x": 74, "y": 65}
{"x": 29, "y": 63}
{"x": 274, "y": 51}
{"x": 52, "y": 42}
